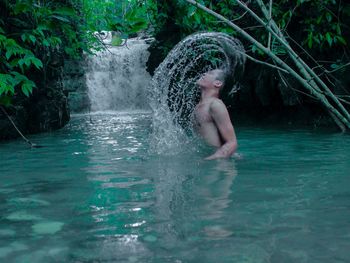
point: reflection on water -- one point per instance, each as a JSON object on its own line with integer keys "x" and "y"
{"x": 96, "y": 194}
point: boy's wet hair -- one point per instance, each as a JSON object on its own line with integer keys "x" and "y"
{"x": 223, "y": 76}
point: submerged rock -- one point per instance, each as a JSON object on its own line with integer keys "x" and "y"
{"x": 13, "y": 247}
{"x": 28, "y": 202}
{"x": 7, "y": 232}
{"x": 47, "y": 228}
{"x": 23, "y": 216}
{"x": 6, "y": 190}
{"x": 150, "y": 238}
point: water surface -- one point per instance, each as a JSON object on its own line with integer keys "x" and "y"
{"x": 95, "y": 193}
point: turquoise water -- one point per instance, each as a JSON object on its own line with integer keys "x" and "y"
{"x": 94, "y": 193}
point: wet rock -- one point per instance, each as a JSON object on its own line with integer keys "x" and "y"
{"x": 19, "y": 116}
{"x": 46, "y": 110}
{"x": 74, "y": 83}
{"x": 49, "y": 112}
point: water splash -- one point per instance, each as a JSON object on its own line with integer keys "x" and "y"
{"x": 117, "y": 78}
{"x": 173, "y": 92}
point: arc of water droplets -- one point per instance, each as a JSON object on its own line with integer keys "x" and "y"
{"x": 173, "y": 93}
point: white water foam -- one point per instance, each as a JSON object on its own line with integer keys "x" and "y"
{"x": 117, "y": 78}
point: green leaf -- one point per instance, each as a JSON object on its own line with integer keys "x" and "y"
{"x": 310, "y": 40}
{"x": 24, "y": 37}
{"x": 254, "y": 48}
{"x": 61, "y": 18}
{"x": 116, "y": 41}
{"x": 130, "y": 15}
{"x": 32, "y": 38}
{"x": 27, "y": 89}
{"x": 65, "y": 11}
{"x": 46, "y": 43}
{"x": 14, "y": 62}
{"x": 43, "y": 27}
{"x": 329, "y": 17}
{"x": 319, "y": 19}
{"x": 197, "y": 18}
{"x": 19, "y": 78}
{"x": 21, "y": 8}
{"x": 329, "y": 38}
{"x": 191, "y": 10}
{"x": 138, "y": 26}
{"x": 2, "y": 39}
{"x": 6, "y": 84}
{"x": 341, "y": 40}
{"x": 21, "y": 62}
{"x": 39, "y": 32}
{"x": 27, "y": 61}
{"x": 37, "y": 63}
{"x": 8, "y": 54}
{"x": 338, "y": 29}
{"x": 3, "y": 78}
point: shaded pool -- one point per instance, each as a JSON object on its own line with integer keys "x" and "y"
{"x": 94, "y": 193}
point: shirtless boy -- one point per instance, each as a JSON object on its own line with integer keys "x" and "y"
{"x": 212, "y": 120}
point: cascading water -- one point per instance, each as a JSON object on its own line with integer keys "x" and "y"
{"x": 117, "y": 78}
{"x": 173, "y": 92}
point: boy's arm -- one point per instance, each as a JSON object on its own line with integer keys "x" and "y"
{"x": 224, "y": 125}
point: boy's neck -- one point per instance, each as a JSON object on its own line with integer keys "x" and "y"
{"x": 208, "y": 94}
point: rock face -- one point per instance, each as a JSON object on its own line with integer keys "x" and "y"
{"x": 45, "y": 110}
{"x": 49, "y": 112}
{"x": 19, "y": 116}
{"x": 74, "y": 83}
{"x": 48, "y": 108}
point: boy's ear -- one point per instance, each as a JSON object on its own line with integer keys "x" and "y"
{"x": 217, "y": 83}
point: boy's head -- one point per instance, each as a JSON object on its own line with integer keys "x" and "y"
{"x": 213, "y": 79}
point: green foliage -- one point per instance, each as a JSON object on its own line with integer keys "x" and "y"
{"x": 33, "y": 33}
{"x": 16, "y": 60}
{"x": 318, "y": 26}
{"x": 320, "y": 22}
{"x": 126, "y": 17}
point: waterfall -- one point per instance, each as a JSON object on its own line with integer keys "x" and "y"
{"x": 173, "y": 92}
{"x": 117, "y": 79}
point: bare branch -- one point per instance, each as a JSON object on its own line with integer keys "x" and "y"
{"x": 239, "y": 18}
{"x": 270, "y": 17}
{"x": 264, "y": 63}
{"x": 334, "y": 70}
